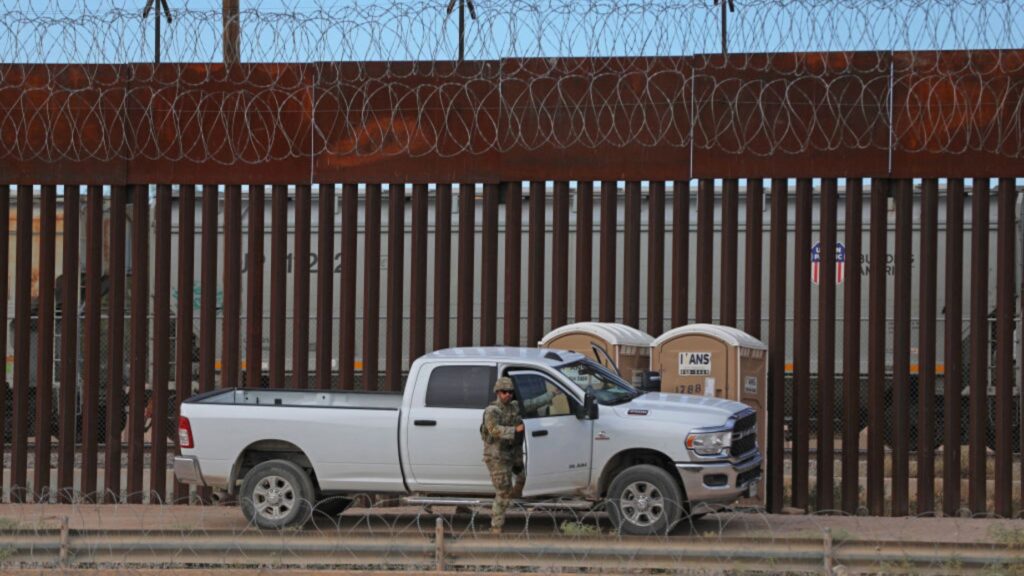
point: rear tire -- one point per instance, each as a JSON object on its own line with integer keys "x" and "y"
{"x": 277, "y": 494}
{"x": 644, "y": 500}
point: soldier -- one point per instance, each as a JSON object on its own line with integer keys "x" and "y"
{"x": 502, "y": 433}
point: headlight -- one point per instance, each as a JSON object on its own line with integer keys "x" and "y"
{"x": 710, "y": 443}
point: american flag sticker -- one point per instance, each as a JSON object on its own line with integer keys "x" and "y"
{"x": 816, "y": 262}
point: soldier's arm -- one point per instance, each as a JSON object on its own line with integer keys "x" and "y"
{"x": 532, "y": 404}
{"x": 495, "y": 430}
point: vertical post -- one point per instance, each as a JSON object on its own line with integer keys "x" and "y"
{"x": 535, "y": 290}
{"x": 232, "y": 278}
{"x": 186, "y": 305}
{"x": 91, "y": 352}
{"x": 232, "y": 46}
{"x": 489, "y": 268}
{"x": 418, "y": 284}
{"x": 851, "y": 346}
{"x": 725, "y": 40}
{"x": 161, "y": 344}
{"x": 208, "y": 300}
{"x": 901, "y": 349}
{"x": 325, "y": 286}
{"x": 347, "y": 304}
{"x": 730, "y": 234}
{"x": 681, "y": 252}
{"x": 254, "y": 290}
{"x": 278, "y": 277}
{"x": 22, "y": 304}
{"x": 462, "y": 30}
{"x": 5, "y": 223}
{"x": 139, "y": 308}
{"x": 115, "y": 345}
{"x": 208, "y": 287}
{"x": 752, "y": 265}
{"x": 876, "y": 346}
{"x": 371, "y": 286}
{"x": 979, "y": 347}
{"x": 466, "y": 278}
{"x": 1004, "y": 350}
{"x": 44, "y": 357}
{"x": 926, "y": 342}
{"x": 156, "y": 35}
{"x": 513, "y": 260}
{"x": 584, "y": 249}
{"x": 631, "y": 257}
{"x": 396, "y": 285}
{"x": 442, "y": 265}
{"x": 777, "y": 342}
{"x": 827, "y": 343}
{"x": 656, "y": 258}
{"x": 609, "y": 235}
{"x": 300, "y": 288}
{"x": 705, "y": 246}
{"x": 68, "y": 335}
{"x": 953, "y": 376}
{"x": 560, "y": 255}
{"x": 802, "y": 343}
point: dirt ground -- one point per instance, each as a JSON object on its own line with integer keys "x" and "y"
{"x": 747, "y": 524}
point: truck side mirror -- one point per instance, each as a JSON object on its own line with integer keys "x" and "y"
{"x": 589, "y": 409}
{"x": 650, "y": 381}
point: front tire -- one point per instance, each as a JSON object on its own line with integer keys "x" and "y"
{"x": 277, "y": 494}
{"x": 644, "y": 500}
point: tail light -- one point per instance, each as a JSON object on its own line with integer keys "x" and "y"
{"x": 185, "y": 433}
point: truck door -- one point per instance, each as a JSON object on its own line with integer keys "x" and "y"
{"x": 445, "y": 453}
{"x": 558, "y": 445}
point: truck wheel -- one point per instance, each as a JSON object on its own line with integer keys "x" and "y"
{"x": 645, "y": 500}
{"x": 276, "y": 494}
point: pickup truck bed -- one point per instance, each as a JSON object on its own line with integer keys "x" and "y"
{"x": 304, "y": 398}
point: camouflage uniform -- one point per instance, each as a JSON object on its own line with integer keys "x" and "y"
{"x": 503, "y": 449}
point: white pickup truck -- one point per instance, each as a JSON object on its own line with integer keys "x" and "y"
{"x": 653, "y": 458}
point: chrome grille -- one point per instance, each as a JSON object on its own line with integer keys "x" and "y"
{"x": 744, "y": 436}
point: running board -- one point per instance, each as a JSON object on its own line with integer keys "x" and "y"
{"x": 532, "y": 504}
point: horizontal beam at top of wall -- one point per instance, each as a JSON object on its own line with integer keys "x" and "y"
{"x": 921, "y": 114}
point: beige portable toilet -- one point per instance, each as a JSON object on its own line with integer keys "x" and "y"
{"x": 720, "y": 361}
{"x": 616, "y": 346}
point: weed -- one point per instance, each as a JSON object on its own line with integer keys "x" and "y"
{"x": 579, "y": 529}
{"x": 1011, "y": 537}
{"x": 9, "y": 524}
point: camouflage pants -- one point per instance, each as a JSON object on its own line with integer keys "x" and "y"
{"x": 506, "y": 484}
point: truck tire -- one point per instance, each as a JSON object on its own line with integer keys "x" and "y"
{"x": 276, "y": 494}
{"x": 644, "y": 500}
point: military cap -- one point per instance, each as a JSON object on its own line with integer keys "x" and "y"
{"x": 504, "y": 383}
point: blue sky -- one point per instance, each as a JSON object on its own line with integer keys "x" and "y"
{"x": 305, "y": 30}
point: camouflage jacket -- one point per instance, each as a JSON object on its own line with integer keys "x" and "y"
{"x": 499, "y": 429}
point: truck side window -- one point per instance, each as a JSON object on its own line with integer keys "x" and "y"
{"x": 461, "y": 387}
{"x": 531, "y": 390}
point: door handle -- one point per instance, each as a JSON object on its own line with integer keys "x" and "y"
{"x": 539, "y": 433}
{"x": 425, "y": 422}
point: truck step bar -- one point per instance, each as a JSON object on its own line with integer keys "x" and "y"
{"x": 531, "y": 504}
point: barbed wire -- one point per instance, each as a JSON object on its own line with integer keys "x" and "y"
{"x": 376, "y": 79}
{"x": 379, "y": 533}
{"x": 115, "y": 31}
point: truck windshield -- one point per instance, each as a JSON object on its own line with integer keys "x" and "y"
{"x": 608, "y": 389}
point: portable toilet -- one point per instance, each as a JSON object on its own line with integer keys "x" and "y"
{"x": 621, "y": 348}
{"x": 720, "y": 361}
